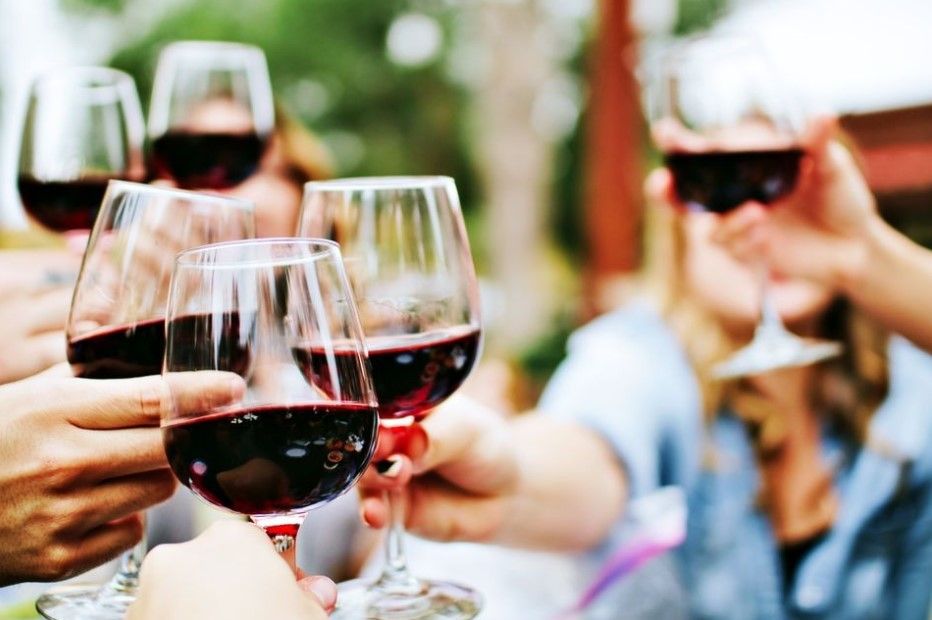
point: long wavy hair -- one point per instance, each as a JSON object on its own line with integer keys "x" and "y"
{"x": 847, "y": 390}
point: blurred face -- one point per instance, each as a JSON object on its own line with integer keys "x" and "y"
{"x": 730, "y": 290}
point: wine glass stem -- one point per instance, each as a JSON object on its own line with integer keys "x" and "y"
{"x": 395, "y": 575}
{"x": 284, "y": 537}
{"x": 769, "y": 324}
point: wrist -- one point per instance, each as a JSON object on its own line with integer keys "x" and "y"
{"x": 860, "y": 256}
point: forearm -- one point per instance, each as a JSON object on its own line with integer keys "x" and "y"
{"x": 570, "y": 488}
{"x": 890, "y": 278}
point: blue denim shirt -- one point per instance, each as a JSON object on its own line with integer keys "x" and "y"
{"x": 627, "y": 378}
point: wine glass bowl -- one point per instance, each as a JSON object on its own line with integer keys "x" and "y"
{"x": 116, "y": 327}
{"x": 407, "y": 257}
{"x": 211, "y": 113}
{"x": 83, "y": 127}
{"x": 279, "y": 314}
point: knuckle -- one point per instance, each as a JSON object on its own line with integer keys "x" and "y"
{"x": 59, "y": 562}
{"x": 151, "y": 398}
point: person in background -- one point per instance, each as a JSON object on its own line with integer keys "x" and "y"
{"x": 809, "y": 490}
{"x": 840, "y": 242}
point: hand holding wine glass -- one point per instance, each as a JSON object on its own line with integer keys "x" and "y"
{"x": 280, "y": 314}
{"x": 732, "y": 135}
{"x": 116, "y": 328}
{"x": 408, "y": 258}
{"x": 211, "y": 114}
{"x": 83, "y": 127}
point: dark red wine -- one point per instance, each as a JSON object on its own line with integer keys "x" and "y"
{"x": 207, "y": 160}
{"x": 228, "y": 333}
{"x": 63, "y": 205}
{"x": 120, "y": 352}
{"x": 272, "y": 459}
{"x": 137, "y": 350}
{"x": 411, "y": 374}
{"x": 720, "y": 181}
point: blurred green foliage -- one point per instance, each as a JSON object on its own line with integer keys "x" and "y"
{"x": 329, "y": 68}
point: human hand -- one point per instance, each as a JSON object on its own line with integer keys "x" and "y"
{"x": 81, "y": 459}
{"x": 32, "y": 334}
{"x": 821, "y": 231}
{"x": 464, "y": 468}
{"x": 230, "y": 571}
{"x": 34, "y": 271}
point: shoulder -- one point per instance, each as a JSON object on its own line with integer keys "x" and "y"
{"x": 629, "y": 356}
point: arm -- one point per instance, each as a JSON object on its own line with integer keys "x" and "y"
{"x": 522, "y": 482}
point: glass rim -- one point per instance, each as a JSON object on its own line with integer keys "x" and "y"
{"x": 147, "y": 188}
{"x": 376, "y": 183}
{"x": 204, "y": 46}
{"x": 324, "y": 248}
{"x": 83, "y": 76}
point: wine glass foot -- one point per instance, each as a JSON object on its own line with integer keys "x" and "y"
{"x": 362, "y": 599}
{"x": 84, "y": 602}
{"x": 766, "y": 355}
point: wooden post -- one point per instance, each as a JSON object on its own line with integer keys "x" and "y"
{"x": 614, "y": 168}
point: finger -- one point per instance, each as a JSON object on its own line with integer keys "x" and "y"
{"x": 118, "y": 498}
{"x": 408, "y": 440}
{"x": 49, "y": 311}
{"x": 123, "y": 452}
{"x": 322, "y": 589}
{"x": 440, "y": 511}
{"x": 143, "y": 401}
{"x": 102, "y": 544}
{"x": 36, "y": 354}
{"x": 738, "y": 223}
{"x": 391, "y": 473}
{"x": 452, "y": 433}
{"x": 373, "y": 511}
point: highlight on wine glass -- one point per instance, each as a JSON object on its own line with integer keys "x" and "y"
{"x": 731, "y": 133}
{"x": 116, "y": 327}
{"x": 211, "y": 113}
{"x": 407, "y": 256}
{"x": 83, "y": 127}
{"x": 279, "y": 314}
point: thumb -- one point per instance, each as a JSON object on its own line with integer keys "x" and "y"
{"x": 125, "y": 403}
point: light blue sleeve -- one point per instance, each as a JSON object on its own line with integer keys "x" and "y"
{"x": 627, "y": 378}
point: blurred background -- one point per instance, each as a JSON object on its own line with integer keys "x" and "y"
{"x": 532, "y": 105}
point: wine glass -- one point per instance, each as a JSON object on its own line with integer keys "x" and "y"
{"x": 211, "y": 113}
{"x": 83, "y": 127}
{"x": 116, "y": 328}
{"x": 730, "y": 133}
{"x": 408, "y": 260}
{"x": 280, "y": 314}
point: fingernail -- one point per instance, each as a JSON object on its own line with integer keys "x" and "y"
{"x": 390, "y": 467}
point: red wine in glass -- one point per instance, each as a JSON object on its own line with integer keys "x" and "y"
{"x": 137, "y": 350}
{"x": 119, "y": 352}
{"x": 411, "y": 374}
{"x": 63, "y": 205}
{"x": 719, "y": 181}
{"x": 271, "y": 459}
{"x": 207, "y": 160}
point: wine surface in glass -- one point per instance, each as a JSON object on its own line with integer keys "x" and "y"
{"x": 719, "y": 181}
{"x": 207, "y": 160}
{"x": 272, "y": 460}
{"x": 411, "y": 374}
{"x": 119, "y": 352}
{"x": 63, "y": 205}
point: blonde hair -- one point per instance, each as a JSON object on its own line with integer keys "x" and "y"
{"x": 847, "y": 390}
